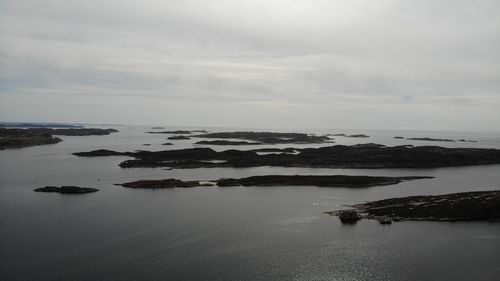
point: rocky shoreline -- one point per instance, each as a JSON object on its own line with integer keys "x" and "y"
{"x": 463, "y": 206}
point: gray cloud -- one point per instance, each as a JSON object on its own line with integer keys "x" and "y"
{"x": 363, "y": 64}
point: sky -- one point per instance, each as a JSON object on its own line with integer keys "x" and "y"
{"x": 372, "y": 64}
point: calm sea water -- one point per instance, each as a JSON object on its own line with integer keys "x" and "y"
{"x": 237, "y": 233}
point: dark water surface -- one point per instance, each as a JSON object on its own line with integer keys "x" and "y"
{"x": 232, "y": 233}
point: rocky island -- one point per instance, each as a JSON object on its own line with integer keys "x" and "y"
{"x": 463, "y": 206}
{"x": 337, "y": 156}
{"x": 316, "y": 180}
{"x": 66, "y": 189}
{"x": 278, "y": 180}
{"x": 267, "y": 137}
{"x": 19, "y": 138}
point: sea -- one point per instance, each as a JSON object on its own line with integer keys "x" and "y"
{"x": 230, "y": 233}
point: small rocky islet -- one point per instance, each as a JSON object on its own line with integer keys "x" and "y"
{"x": 66, "y": 189}
{"x": 463, "y": 206}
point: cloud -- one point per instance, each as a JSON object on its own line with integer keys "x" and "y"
{"x": 253, "y": 62}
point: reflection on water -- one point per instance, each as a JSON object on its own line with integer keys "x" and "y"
{"x": 232, "y": 233}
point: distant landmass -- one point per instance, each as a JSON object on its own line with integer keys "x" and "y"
{"x": 25, "y": 137}
{"x": 38, "y": 125}
{"x": 267, "y": 137}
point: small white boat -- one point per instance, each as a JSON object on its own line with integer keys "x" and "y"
{"x": 384, "y": 220}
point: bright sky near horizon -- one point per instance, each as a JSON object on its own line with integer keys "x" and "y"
{"x": 372, "y": 64}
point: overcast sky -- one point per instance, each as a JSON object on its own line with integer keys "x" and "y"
{"x": 261, "y": 63}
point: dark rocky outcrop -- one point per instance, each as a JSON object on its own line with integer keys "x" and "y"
{"x": 178, "y": 138}
{"x": 430, "y": 139}
{"x": 349, "y": 216}
{"x": 267, "y": 137}
{"x": 476, "y": 205}
{"x": 227, "y": 142}
{"x": 66, "y": 189}
{"x": 338, "y": 156}
{"x": 398, "y": 137}
{"x": 167, "y": 143}
{"x": 321, "y": 181}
